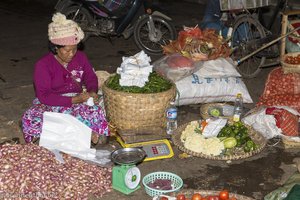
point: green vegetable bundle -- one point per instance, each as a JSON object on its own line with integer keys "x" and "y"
{"x": 155, "y": 84}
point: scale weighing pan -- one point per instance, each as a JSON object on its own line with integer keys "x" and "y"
{"x": 128, "y": 156}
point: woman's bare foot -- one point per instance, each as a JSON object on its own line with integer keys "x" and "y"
{"x": 99, "y": 139}
{"x": 95, "y": 138}
{"x": 103, "y": 139}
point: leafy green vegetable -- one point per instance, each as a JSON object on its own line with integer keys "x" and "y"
{"x": 155, "y": 84}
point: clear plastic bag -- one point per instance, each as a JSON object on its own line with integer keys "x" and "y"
{"x": 176, "y": 67}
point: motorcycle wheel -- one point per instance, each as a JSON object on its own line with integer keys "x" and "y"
{"x": 165, "y": 32}
{"x": 83, "y": 18}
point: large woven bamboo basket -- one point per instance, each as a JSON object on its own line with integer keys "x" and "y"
{"x": 129, "y": 111}
{"x": 290, "y": 68}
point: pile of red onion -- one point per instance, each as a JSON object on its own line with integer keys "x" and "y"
{"x": 32, "y": 172}
{"x": 281, "y": 90}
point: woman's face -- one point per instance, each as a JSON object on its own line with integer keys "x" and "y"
{"x": 65, "y": 54}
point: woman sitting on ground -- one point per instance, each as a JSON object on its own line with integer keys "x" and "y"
{"x": 59, "y": 78}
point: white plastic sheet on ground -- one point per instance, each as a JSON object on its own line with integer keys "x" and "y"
{"x": 65, "y": 133}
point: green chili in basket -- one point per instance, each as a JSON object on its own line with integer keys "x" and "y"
{"x": 155, "y": 84}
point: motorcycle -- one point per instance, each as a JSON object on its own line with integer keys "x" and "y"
{"x": 107, "y": 18}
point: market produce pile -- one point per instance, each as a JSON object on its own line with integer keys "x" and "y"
{"x": 281, "y": 90}
{"x": 222, "y": 195}
{"x": 199, "y": 44}
{"x": 205, "y": 195}
{"x": 195, "y": 141}
{"x": 233, "y": 138}
{"x": 155, "y": 84}
{"x": 32, "y": 172}
{"x": 236, "y": 135}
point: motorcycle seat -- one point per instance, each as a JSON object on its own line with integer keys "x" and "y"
{"x": 114, "y": 8}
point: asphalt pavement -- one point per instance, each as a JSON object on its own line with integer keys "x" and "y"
{"x": 23, "y": 39}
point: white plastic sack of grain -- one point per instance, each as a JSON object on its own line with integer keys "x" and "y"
{"x": 195, "y": 89}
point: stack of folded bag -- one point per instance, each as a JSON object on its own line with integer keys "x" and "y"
{"x": 135, "y": 70}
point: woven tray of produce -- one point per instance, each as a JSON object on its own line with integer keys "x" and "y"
{"x": 194, "y": 194}
{"x": 235, "y": 141}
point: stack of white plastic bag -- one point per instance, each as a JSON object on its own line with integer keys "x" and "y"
{"x": 64, "y": 133}
{"x": 135, "y": 70}
{"x": 217, "y": 81}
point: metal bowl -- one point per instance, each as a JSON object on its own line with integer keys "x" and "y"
{"x": 128, "y": 156}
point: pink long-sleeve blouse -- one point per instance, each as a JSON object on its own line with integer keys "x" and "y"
{"x": 52, "y": 80}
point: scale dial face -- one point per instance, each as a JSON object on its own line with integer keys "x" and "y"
{"x": 132, "y": 177}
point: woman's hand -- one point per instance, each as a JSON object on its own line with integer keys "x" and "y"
{"x": 95, "y": 97}
{"x": 81, "y": 98}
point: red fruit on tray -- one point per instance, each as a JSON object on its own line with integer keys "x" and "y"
{"x": 180, "y": 197}
{"x": 224, "y": 195}
{"x": 196, "y": 196}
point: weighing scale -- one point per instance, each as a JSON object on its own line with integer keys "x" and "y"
{"x": 156, "y": 149}
{"x": 125, "y": 175}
